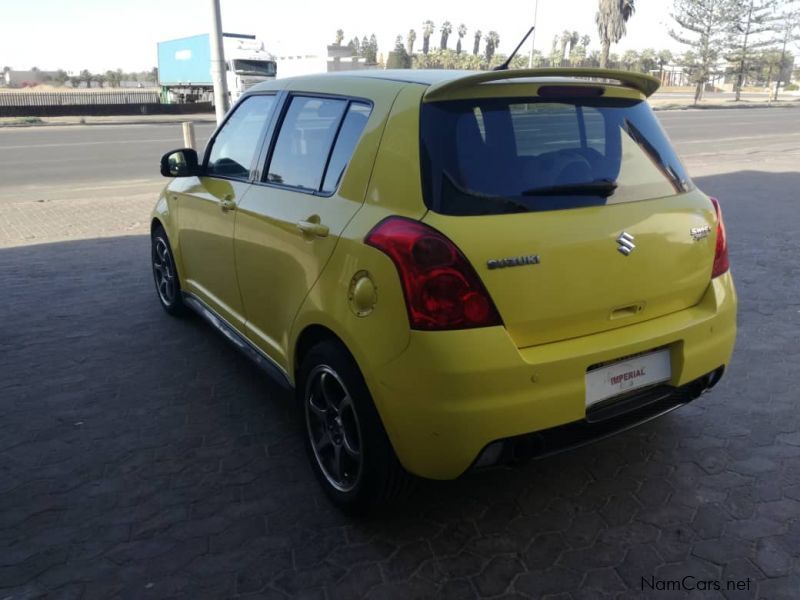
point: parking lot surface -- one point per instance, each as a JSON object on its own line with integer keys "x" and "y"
{"x": 143, "y": 457}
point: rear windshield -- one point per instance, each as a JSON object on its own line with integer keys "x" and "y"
{"x": 500, "y": 155}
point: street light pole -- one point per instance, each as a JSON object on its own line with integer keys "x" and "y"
{"x": 533, "y": 35}
{"x": 218, "y": 75}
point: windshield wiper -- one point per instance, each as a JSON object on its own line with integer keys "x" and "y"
{"x": 602, "y": 187}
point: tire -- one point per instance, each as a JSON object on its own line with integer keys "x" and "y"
{"x": 165, "y": 274}
{"x": 342, "y": 427}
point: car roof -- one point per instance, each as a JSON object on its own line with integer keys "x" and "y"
{"x": 442, "y": 80}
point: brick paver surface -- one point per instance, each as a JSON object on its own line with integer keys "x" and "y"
{"x": 34, "y": 221}
{"x": 142, "y": 457}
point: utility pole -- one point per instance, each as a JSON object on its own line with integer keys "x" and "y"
{"x": 533, "y": 35}
{"x": 218, "y": 75}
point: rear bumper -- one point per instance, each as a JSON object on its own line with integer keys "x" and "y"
{"x": 451, "y": 394}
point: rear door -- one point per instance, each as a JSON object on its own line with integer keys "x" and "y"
{"x": 575, "y": 211}
{"x": 288, "y": 225}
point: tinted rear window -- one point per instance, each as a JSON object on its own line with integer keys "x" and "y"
{"x": 492, "y": 156}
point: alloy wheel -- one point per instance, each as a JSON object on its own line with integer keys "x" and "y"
{"x": 164, "y": 271}
{"x": 333, "y": 429}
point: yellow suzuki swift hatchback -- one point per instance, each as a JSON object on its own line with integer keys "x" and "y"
{"x": 453, "y": 270}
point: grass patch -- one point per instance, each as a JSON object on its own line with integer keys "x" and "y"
{"x": 21, "y": 122}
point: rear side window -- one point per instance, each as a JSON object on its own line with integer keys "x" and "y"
{"x": 352, "y": 127}
{"x": 236, "y": 144}
{"x": 315, "y": 142}
{"x": 492, "y": 156}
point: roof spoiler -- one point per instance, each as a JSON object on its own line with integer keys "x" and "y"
{"x": 646, "y": 84}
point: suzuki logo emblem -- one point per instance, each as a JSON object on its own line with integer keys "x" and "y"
{"x": 625, "y": 241}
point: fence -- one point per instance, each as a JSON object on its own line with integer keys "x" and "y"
{"x": 78, "y": 97}
{"x": 91, "y": 102}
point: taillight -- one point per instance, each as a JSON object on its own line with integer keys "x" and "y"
{"x": 721, "y": 262}
{"x": 442, "y": 290}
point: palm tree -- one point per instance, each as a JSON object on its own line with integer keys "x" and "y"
{"x": 427, "y": 30}
{"x": 566, "y": 36}
{"x": 664, "y": 58}
{"x": 339, "y": 37}
{"x": 477, "y": 44}
{"x": 462, "y": 31}
{"x": 574, "y": 38}
{"x": 585, "y": 41}
{"x": 492, "y": 41}
{"x": 410, "y": 39}
{"x": 611, "y": 18}
{"x": 447, "y": 29}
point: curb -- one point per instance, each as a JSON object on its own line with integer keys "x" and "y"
{"x": 676, "y": 107}
{"x": 190, "y": 119}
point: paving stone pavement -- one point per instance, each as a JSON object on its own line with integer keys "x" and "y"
{"x": 36, "y": 219}
{"x": 142, "y": 457}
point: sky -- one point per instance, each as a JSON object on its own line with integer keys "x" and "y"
{"x": 108, "y": 34}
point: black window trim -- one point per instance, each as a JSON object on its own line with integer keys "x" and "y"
{"x": 266, "y": 128}
{"x": 266, "y": 155}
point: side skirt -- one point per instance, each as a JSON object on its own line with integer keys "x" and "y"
{"x": 237, "y": 339}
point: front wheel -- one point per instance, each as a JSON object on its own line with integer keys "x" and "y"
{"x": 349, "y": 450}
{"x": 165, "y": 274}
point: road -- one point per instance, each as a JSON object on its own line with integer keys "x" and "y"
{"x": 84, "y": 161}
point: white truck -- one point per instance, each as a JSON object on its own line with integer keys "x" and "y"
{"x": 184, "y": 67}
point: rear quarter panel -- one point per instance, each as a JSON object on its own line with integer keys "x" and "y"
{"x": 393, "y": 188}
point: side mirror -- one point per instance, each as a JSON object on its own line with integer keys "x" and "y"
{"x": 180, "y": 163}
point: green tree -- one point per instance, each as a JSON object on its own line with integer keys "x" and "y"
{"x": 577, "y": 55}
{"x": 477, "y": 43}
{"x": 492, "y": 41}
{"x": 339, "y": 37}
{"x": 749, "y": 20}
{"x": 410, "y": 39}
{"x": 648, "y": 60}
{"x": 100, "y": 79}
{"x": 462, "y": 31}
{"x": 630, "y": 59}
{"x": 703, "y": 27}
{"x": 574, "y": 40}
{"x": 61, "y": 77}
{"x": 611, "y": 17}
{"x": 664, "y": 58}
{"x": 585, "y": 41}
{"x": 371, "y": 51}
{"x": 86, "y": 77}
{"x": 446, "y": 30}
{"x": 398, "y": 57}
{"x": 427, "y": 31}
{"x": 355, "y": 46}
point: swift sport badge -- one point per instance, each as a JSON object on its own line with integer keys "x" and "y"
{"x": 514, "y": 261}
{"x": 698, "y": 233}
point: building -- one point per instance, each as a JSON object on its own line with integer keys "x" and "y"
{"x": 12, "y": 78}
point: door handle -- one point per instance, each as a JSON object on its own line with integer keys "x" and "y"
{"x": 227, "y": 203}
{"x": 313, "y": 227}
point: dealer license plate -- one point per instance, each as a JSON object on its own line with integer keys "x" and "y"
{"x": 627, "y": 375}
